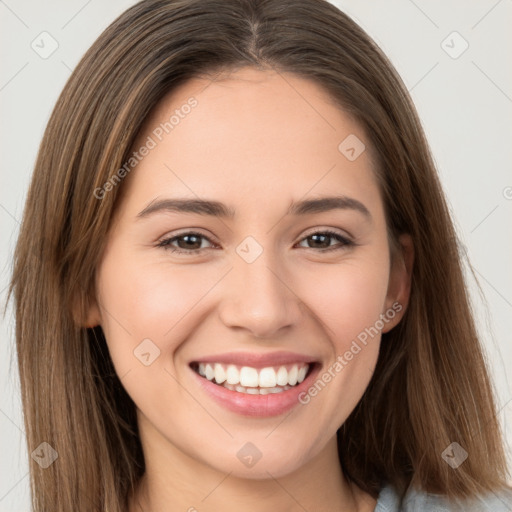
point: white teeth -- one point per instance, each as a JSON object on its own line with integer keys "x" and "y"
{"x": 209, "y": 373}
{"x": 220, "y": 374}
{"x": 292, "y": 375}
{"x": 255, "y": 391}
{"x": 267, "y": 378}
{"x": 282, "y": 376}
{"x": 253, "y": 381}
{"x": 249, "y": 377}
{"x": 232, "y": 374}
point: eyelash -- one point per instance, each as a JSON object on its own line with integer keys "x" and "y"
{"x": 165, "y": 244}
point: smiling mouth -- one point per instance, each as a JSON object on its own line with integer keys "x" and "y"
{"x": 254, "y": 381}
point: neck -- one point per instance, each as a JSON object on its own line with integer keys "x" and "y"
{"x": 175, "y": 481}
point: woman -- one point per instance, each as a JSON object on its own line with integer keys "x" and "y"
{"x": 202, "y": 351}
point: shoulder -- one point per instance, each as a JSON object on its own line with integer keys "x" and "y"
{"x": 419, "y": 501}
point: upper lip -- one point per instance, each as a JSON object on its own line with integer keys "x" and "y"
{"x": 256, "y": 360}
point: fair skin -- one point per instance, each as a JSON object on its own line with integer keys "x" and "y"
{"x": 255, "y": 142}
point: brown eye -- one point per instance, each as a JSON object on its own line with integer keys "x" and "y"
{"x": 190, "y": 243}
{"x": 187, "y": 243}
{"x": 321, "y": 240}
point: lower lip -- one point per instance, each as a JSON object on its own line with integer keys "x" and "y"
{"x": 272, "y": 404}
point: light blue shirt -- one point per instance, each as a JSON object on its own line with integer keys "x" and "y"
{"x": 417, "y": 501}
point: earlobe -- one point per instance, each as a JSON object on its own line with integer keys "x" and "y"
{"x": 86, "y": 313}
{"x": 93, "y": 318}
{"x": 400, "y": 279}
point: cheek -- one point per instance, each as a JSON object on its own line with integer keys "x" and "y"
{"x": 349, "y": 303}
{"x": 141, "y": 301}
{"x": 147, "y": 312}
{"x": 348, "y": 298}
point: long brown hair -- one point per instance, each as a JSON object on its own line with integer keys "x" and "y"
{"x": 430, "y": 387}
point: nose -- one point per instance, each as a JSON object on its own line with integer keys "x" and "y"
{"x": 258, "y": 297}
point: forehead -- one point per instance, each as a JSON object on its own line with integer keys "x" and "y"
{"x": 250, "y": 138}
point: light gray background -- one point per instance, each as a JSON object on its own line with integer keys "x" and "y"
{"x": 465, "y": 105}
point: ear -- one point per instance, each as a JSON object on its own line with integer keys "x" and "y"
{"x": 93, "y": 317}
{"x": 400, "y": 278}
{"x": 86, "y": 311}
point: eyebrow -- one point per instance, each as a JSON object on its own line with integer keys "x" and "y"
{"x": 218, "y": 209}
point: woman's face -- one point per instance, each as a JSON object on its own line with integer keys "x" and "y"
{"x": 261, "y": 298}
